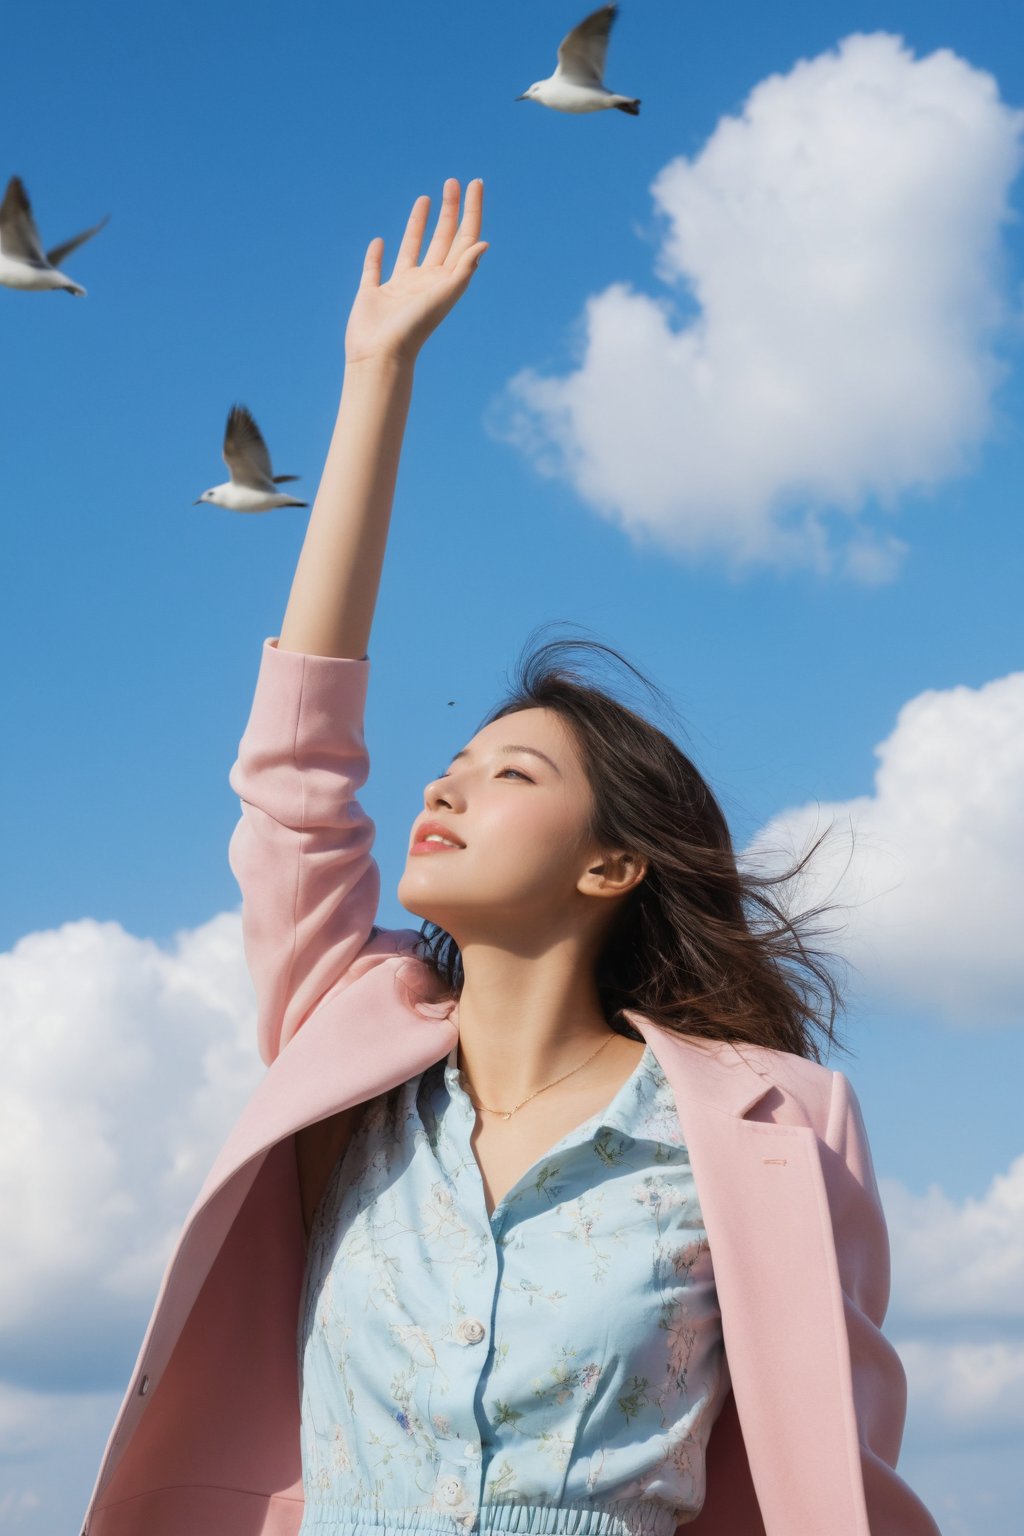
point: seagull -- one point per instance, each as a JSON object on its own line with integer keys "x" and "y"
{"x": 252, "y": 487}
{"x": 577, "y": 84}
{"x": 22, "y": 263}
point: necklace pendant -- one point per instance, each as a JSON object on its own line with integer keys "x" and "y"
{"x": 508, "y": 1114}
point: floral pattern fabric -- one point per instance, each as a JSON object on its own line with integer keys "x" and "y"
{"x": 555, "y": 1366}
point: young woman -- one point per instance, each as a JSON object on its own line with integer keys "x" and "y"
{"x": 545, "y": 1218}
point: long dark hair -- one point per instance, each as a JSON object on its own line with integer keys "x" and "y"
{"x": 702, "y": 945}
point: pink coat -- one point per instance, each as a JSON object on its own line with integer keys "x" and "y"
{"x": 207, "y": 1437}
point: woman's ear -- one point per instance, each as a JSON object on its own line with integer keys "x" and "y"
{"x": 617, "y": 873}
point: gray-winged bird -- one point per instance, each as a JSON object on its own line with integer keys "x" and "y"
{"x": 23, "y": 263}
{"x": 253, "y": 484}
{"x": 577, "y": 84}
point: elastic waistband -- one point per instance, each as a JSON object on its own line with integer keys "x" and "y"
{"x": 627, "y": 1517}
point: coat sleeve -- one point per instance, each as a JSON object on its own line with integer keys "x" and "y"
{"x": 301, "y": 852}
{"x": 879, "y": 1380}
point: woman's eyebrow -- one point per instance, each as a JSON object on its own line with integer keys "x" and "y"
{"x": 533, "y": 751}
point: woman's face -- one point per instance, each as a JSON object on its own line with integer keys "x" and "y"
{"x": 517, "y": 798}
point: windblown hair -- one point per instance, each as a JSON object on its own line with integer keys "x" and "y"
{"x": 701, "y": 945}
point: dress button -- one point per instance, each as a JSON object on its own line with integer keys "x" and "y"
{"x": 470, "y": 1331}
{"x": 451, "y": 1490}
{"x": 471, "y": 1449}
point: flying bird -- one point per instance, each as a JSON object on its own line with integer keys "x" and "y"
{"x": 577, "y": 84}
{"x": 253, "y": 484}
{"x": 22, "y": 262}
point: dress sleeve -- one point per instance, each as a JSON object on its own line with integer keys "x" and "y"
{"x": 879, "y": 1380}
{"x": 301, "y": 852}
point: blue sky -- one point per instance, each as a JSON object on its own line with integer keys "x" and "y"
{"x": 246, "y": 155}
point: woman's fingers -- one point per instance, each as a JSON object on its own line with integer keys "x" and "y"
{"x": 447, "y": 221}
{"x": 409, "y": 250}
{"x": 451, "y": 239}
{"x": 469, "y": 261}
{"x": 372, "y": 263}
{"x": 469, "y": 229}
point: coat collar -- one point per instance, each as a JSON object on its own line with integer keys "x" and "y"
{"x": 716, "y": 1073}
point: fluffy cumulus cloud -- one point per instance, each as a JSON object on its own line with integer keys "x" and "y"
{"x": 960, "y": 1262}
{"x": 927, "y": 867}
{"x": 124, "y": 1067}
{"x": 832, "y": 259}
{"x": 958, "y": 1307}
{"x": 965, "y": 1391}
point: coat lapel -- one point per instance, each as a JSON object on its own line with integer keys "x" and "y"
{"x": 338, "y": 1058}
{"x": 763, "y": 1199}
{"x": 333, "y": 1062}
{"x": 382, "y": 1036}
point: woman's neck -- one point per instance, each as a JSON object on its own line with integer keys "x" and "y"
{"x": 523, "y": 1019}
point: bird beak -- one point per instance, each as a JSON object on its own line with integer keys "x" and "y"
{"x": 520, "y": 98}
{"x": 197, "y": 501}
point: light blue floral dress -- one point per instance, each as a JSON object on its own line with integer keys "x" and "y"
{"x": 553, "y": 1367}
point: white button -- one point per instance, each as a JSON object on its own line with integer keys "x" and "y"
{"x": 470, "y": 1331}
{"x": 471, "y": 1449}
{"x": 451, "y": 1490}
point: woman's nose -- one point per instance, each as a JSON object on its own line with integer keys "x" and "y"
{"x": 439, "y": 793}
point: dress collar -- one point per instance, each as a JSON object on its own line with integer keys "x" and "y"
{"x": 643, "y": 1106}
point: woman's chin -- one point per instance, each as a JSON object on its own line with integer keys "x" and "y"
{"x": 418, "y": 906}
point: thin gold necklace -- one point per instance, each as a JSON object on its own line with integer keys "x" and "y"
{"x": 508, "y": 1113}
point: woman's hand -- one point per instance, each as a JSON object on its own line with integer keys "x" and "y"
{"x": 395, "y": 318}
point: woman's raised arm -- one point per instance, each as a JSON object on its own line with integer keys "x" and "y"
{"x": 302, "y": 851}
{"x": 334, "y": 592}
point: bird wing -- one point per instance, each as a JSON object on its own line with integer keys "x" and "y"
{"x": 245, "y": 452}
{"x": 581, "y": 53}
{"x": 56, "y": 256}
{"x": 18, "y": 234}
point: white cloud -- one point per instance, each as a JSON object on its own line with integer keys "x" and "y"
{"x": 964, "y": 1391}
{"x": 932, "y": 887}
{"x": 959, "y": 1261}
{"x": 124, "y": 1067}
{"x": 957, "y": 1307}
{"x": 840, "y": 242}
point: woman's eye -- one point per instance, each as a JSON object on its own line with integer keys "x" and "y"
{"x": 524, "y": 776}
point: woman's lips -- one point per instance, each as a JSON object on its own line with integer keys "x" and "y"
{"x": 434, "y": 848}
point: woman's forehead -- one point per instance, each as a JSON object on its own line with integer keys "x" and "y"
{"x": 534, "y": 728}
